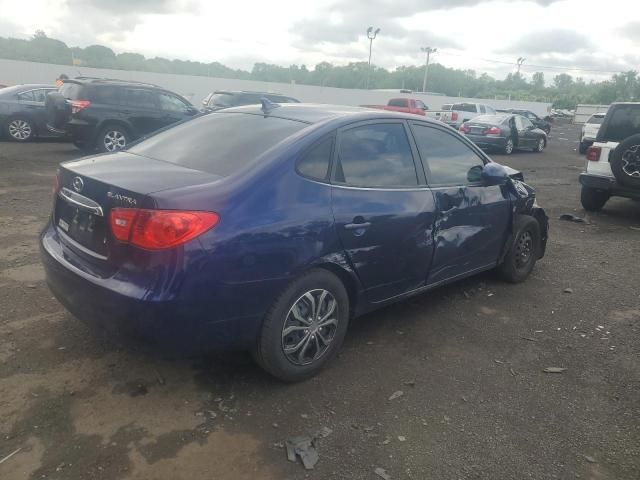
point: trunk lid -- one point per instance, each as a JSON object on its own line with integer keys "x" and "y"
{"x": 91, "y": 187}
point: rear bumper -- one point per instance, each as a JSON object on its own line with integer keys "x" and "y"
{"x": 608, "y": 184}
{"x": 484, "y": 141}
{"x": 121, "y": 309}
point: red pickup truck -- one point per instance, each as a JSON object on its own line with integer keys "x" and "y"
{"x": 406, "y": 105}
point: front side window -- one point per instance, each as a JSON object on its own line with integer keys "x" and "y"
{"x": 314, "y": 163}
{"x": 172, "y": 104}
{"x": 526, "y": 123}
{"x": 450, "y": 160}
{"x": 519, "y": 124}
{"x": 376, "y": 155}
{"x": 26, "y": 96}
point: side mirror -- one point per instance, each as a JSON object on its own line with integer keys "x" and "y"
{"x": 494, "y": 174}
{"x": 192, "y": 110}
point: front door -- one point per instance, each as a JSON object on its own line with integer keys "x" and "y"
{"x": 173, "y": 109}
{"x": 472, "y": 219}
{"x": 383, "y": 212}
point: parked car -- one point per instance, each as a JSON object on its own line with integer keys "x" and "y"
{"x": 230, "y": 98}
{"x": 463, "y": 112}
{"x": 269, "y": 228}
{"x": 414, "y": 106}
{"x": 589, "y": 131}
{"x": 22, "y": 112}
{"x": 505, "y": 132}
{"x": 541, "y": 123}
{"x": 106, "y": 115}
{"x": 613, "y": 161}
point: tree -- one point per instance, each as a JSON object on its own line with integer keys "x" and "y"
{"x": 98, "y": 56}
{"x": 537, "y": 81}
{"x": 563, "y": 82}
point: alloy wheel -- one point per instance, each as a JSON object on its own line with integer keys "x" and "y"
{"x": 114, "y": 140}
{"x": 20, "y": 130}
{"x": 631, "y": 161}
{"x": 524, "y": 249}
{"x": 509, "y": 146}
{"x": 310, "y": 327}
{"x": 541, "y": 145}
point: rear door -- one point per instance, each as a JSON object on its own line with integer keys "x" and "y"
{"x": 32, "y": 104}
{"x": 472, "y": 219}
{"x": 529, "y": 135}
{"x": 383, "y": 211}
{"x": 140, "y": 108}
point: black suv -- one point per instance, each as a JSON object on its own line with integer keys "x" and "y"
{"x": 106, "y": 115}
{"x": 229, "y": 98}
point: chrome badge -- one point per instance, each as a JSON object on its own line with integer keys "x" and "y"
{"x": 78, "y": 184}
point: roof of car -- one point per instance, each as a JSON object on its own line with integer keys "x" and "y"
{"x": 254, "y": 92}
{"x": 111, "y": 81}
{"x": 316, "y": 112}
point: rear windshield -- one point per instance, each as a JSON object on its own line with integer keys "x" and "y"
{"x": 223, "y": 100}
{"x": 596, "y": 119}
{"x": 398, "y": 102}
{"x": 72, "y": 91}
{"x": 447, "y": 106}
{"x": 490, "y": 119}
{"x": 218, "y": 143}
{"x": 464, "y": 107}
{"x": 622, "y": 121}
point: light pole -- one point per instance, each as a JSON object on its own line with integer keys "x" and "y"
{"x": 520, "y": 61}
{"x": 428, "y": 51}
{"x": 371, "y": 35}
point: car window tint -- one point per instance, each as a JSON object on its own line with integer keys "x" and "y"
{"x": 26, "y": 96}
{"x": 171, "y": 103}
{"x": 314, "y": 163}
{"x": 376, "y": 155}
{"x": 526, "y": 123}
{"x": 596, "y": 119}
{"x": 223, "y": 100}
{"x": 398, "y": 102}
{"x": 105, "y": 95}
{"x": 140, "y": 98}
{"x": 464, "y": 107}
{"x": 450, "y": 160}
{"x": 624, "y": 122}
{"x": 40, "y": 96}
{"x": 219, "y": 143}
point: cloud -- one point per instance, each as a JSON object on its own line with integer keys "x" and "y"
{"x": 631, "y": 31}
{"x": 549, "y": 41}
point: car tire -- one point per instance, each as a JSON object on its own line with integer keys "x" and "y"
{"x": 582, "y": 148}
{"x": 112, "y": 138}
{"x": 547, "y": 130}
{"x": 20, "y": 129}
{"x": 508, "y": 146}
{"x": 593, "y": 199}
{"x": 283, "y": 330}
{"x": 542, "y": 143}
{"x": 524, "y": 250}
{"x": 625, "y": 162}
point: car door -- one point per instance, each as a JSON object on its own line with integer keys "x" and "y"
{"x": 31, "y": 106}
{"x": 471, "y": 219}
{"x": 174, "y": 109}
{"x": 383, "y": 211}
{"x": 530, "y": 135}
{"x": 141, "y": 110}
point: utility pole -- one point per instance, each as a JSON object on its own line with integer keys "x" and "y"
{"x": 428, "y": 51}
{"x": 520, "y": 61}
{"x": 371, "y": 35}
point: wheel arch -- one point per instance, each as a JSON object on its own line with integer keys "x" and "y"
{"x": 24, "y": 116}
{"x": 348, "y": 279}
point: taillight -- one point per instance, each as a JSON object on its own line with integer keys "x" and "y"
{"x": 159, "y": 229}
{"x": 56, "y": 184}
{"x": 454, "y": 116}
{"x": 77, "y": 105}
{"x": 593, "y": 153}
{"x": 464, "y": 129}
{"x": 492, "y": 131}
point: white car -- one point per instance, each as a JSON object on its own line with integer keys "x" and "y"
{"x": 589, "y": 131}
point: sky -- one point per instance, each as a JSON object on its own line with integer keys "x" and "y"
{"x": 580, "y": 37}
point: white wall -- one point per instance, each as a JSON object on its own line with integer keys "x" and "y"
{"x": 583, "y": 112}
{"x": 196, "y": 88}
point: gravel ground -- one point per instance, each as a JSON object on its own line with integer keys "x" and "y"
{"x": 469, "y": 359}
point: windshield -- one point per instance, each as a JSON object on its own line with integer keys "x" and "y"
{"x": 596, "y": 119}
{"x": 218, "y": 143}
{"x": 11, "y": 90}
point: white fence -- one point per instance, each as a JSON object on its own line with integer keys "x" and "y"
{"x": 583, "y": 112}
{"x": 196, "y": 88}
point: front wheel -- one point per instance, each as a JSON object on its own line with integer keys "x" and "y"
{"x": 20, "y": 129}
{"x": 592, "y": 199}
{"x": 541, "y": 145}
{"x": 582, "y": 148}
{"x": 523, "y": 252}
{"x": 304, "y": 328}
{"x": 508, "y": 147}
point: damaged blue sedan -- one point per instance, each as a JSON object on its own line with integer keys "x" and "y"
{"x": 268, "y": 228}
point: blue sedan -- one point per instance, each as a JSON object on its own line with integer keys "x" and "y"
{"x": 268, "y": 228}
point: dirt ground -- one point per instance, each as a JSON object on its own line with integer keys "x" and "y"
{"x": 469, "y": 359}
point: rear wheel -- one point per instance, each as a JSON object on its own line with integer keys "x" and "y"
{"x": 625, "y": 162}
{"x": 593, "y": 199}
{"x": 582, "y": 148}
{"x": 542, "y": 143}
{"x": 524, "y": 251}
{"x": 112, "y": 138}
{"x": 20, "y": 129}
{"x": 304, "y": 328}
{"x": 508, "y": 147}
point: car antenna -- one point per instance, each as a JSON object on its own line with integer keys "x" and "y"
{"x": 268, "y": 105}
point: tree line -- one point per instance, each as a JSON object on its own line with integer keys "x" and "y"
{"x": 564, "y": 91}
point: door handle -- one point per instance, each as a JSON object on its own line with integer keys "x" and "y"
{"x": 357, "y": 226}
{"x": 447, "y": 212}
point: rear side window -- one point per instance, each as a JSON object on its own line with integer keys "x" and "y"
{"x": 218, "y": 143}
{"x": 26, "y": 96}
{"x": 105, "y": 95}
{"x": 464, "y": 107}
{"x": 72, "y": 91}
{"x": 376, "y": 155}
{"x": 398, "y": 102}
{"x": 314, "y": 163}
{"x": 596, "y": 120}
{"x": 450, "y": 160}
{"x": 140, "y": 98}
{"x": 40, "y": 96}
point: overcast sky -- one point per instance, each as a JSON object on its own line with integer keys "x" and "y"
{"x": 587, "y": 34}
